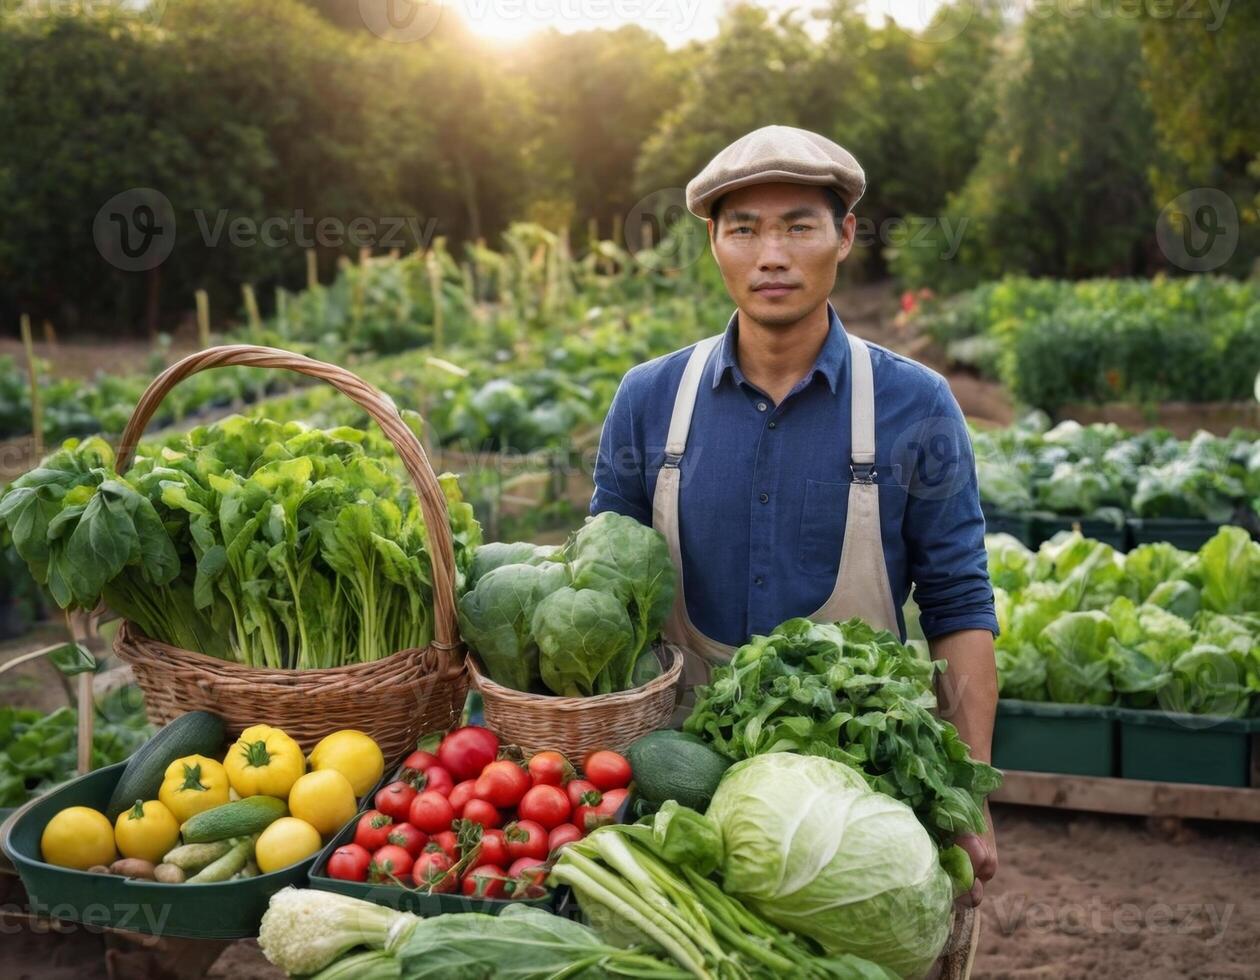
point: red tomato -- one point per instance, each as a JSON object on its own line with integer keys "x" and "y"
{"x": 395, "y": 800}
{"x": 482, "y": 812}
{"x": 431, "y": 812}
{"x": 546, "y": 805}
{"x": 526, "y": 839}
{"x": 435, "y": 778}
{"x": 484, "y": 881}
{"x": 448, "y": 842}
{"x": 389, "y": 862}
{"x": 461, "y": 794}
{"x": 566, "y": 833}
{"x": 466, "y": 751}
{"x": 611, "y": 802}
{"x": 432, "y": 873}
{"x": 502, "y": 783}
{"x": 372, "y": 829}
{"x": 578, "y": 789}
{"x": 408, "y": 838}
{"x": 350, "y": 863}
{"x": 607, "y": 770}
{"x": 528, "y": 877}
{"x": 494, "y": 849}
{"x": 588, "y": 818}
{"x": 549, "y": 769}
{"x": 420, "y": 761}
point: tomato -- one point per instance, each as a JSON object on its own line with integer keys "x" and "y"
{"x": 579, "y": 788}
{"x": 388, "y": 863}
{"x": 526, "y": 839}
{"x": 408, "y": 838}
{"x": 502, "y": 783}
{"x": 546, "y": 805}
{"x": 484, "y": 881}
{"x": 420, "y": 761}
{"x": 611, "y": 802}
{"x": 566, "y": 833}
{"x": 432, "y": 872}
{"x": 448, "y": 842}
{"x": 549, "y": 769}
{"x": 431, "y": 812}
{"x": 466, "y": 751}
{"x": 372, "y": 830}
{"x": 607, "y": 770}
{"x": 461, "y": 794}
{"x": 494, "y": 849}
{"x": 435, "y": 778}
{"x": 395, "y": 800}
{"x": 528, "y": 876}
{"x": 482, "y": 812}
{"x": 350, "y": 863}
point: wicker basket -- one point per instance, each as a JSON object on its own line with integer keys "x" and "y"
{"x": 576, "y": 726}
{"x": 394, "y": 699}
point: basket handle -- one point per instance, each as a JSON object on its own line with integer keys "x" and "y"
{"x": 382, "y": 410}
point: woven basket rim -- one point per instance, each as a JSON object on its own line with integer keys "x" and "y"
{"x": 129, "y": 634}
{"x": 563, "y": 703}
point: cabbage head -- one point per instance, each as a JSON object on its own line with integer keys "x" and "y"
{"x": 813, "y": 849}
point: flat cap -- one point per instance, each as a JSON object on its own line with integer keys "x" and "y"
{"x": 777, "y": 154}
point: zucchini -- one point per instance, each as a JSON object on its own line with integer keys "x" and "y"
{"x": 193, "y": 857}
{"x": 194, "y": 733}
{"x": 228, "y": 865}
{"x": 676, "y": 766}
{"x": 238, "y": 819}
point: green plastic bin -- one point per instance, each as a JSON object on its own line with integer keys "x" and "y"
{"x": 1188, "y": 535}
{"x": 1178, "y": 748}
{"x": 1116, "y": 535}
{"x": 223, "y": 910}
{"x": 1035, "y": 736}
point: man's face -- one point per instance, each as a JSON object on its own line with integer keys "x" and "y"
{"x": 777, "y": 247}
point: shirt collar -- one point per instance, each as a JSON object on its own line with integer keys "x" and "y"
{"x": 829, "y": 363}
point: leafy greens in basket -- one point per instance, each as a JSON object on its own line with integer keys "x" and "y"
{"x": 272, "y": 545}
{"x": 575, "y": 622}
{"x": 853, "y": 694}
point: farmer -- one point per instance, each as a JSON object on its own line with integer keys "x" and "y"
{"x": 795, "y": 469}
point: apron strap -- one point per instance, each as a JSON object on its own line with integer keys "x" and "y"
{"x": 685, "y": 400}
{"x": 863, "y": 401}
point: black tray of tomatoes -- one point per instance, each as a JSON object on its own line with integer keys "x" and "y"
{"x": 470, "y": 825}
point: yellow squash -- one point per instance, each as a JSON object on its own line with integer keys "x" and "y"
{"x": 193, "y": 784}
{"x": 264, "y": 762}
{"x": 353, "y": 754}
{"x": 324, "y": 799}
{"x": 146, "y": 831}
{"x": 286, "y": 842}
{"x": 78, "y": 837}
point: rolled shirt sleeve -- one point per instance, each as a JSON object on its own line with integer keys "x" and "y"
{"x": 944, "y": 526}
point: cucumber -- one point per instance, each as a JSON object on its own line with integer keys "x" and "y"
{"x": 191, "y": 858}
{"x": 195, "y": 733}
{"x": 228, "y": 865}
{"x": 238, "y": 819}
{"x": 678, "y": 766}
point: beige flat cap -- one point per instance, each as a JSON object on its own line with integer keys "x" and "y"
{"x": 773, "y": 154}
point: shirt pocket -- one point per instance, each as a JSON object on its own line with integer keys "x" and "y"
{"x": 825, "y": 514}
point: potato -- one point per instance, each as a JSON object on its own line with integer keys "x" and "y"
{"x": 169, "y": 874}
{"x": 132, "y": 868}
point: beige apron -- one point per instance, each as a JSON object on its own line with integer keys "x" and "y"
{"x": 862, "y": 587}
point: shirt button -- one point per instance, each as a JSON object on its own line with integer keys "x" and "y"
{"x": 758, "y": 580}
{"x": 764, "y": 498}
{"x": 770, "y": 425}
{"x": 761, "y": 406}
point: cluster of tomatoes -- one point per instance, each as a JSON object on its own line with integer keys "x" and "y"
{"x": 465, "y": 820}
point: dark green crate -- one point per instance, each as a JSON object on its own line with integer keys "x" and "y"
{"x": 1177, "y": 748}
{"x": 1188, "y": 535}
{"x": 1022, "y": 527}
{"x": 1075, "y": 739}
{"x": 1116, "y": 535}
{"x": 222, "y": 910}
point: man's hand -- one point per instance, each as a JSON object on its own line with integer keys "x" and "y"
{"x": 982, "y": 849}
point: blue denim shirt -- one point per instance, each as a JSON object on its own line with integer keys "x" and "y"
{"x": 764, "y": 487}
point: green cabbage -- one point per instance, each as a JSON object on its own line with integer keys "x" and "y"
{"x": 814, "y": 850}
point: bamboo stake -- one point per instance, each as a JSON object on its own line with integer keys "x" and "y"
{"x": 592, "y": 234}
{"x": 312, "y": 269}
{"x": 82, "y": 630}
{"x": 203, "y": 318}
{"x": 435, "y": 288}
{"x": 50, "y": 336}
{"x": 251, "y": 308}
{"x": 37, "y": 403}
{"x": 282, "y": 311}
{"x": 365, "y": 254}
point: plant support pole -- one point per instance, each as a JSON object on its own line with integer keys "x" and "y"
{"x": 37, "y": 405}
